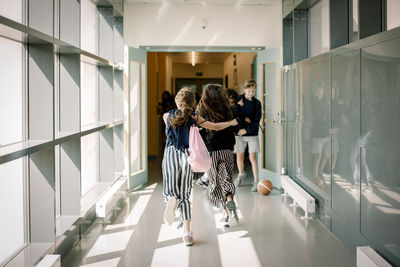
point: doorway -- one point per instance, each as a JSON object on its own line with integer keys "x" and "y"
{"x": 171, "y": 71}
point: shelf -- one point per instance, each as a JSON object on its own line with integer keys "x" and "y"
{"x": 25, "y": 148}
{"x": 118, "y": 122}
{"x": 61, "y": 137}
{"x": 22, "y": 33}
{"x": 96, "y": 60}
{"x": 91, "y": 128}
{"x": 21, "y": 149}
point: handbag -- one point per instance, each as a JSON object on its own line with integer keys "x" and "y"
{"x": 199, "y": 158}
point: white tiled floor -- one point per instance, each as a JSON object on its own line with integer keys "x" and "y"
{"x": 270, "y": 234}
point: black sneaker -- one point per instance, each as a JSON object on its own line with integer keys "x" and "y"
{"x": 233, "y": 218}
{"x": 201, "y": 183}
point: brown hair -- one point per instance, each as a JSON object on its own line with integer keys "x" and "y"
{"x": 215, "y": 103}
{"x": 186, "y": 101}
{"x": 250, "y": 84}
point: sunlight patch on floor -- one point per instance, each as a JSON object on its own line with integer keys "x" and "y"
{"x": 169, "y": 232}
{"x": 236, "y": 250}
{"x": 109, "y": 243}
{"x": 171, "y": 256}
{"x": 152, "y": 186}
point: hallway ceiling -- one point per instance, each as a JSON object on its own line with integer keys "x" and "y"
{"x": 200, "y": 57}
{"x": 210, "y": 2}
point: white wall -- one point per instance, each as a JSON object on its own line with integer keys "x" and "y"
{"x": 393, "y": 11}
{"x": 12, "y": 207}
{"x": 11, "y": 91}
{"x": 181, "y": 25}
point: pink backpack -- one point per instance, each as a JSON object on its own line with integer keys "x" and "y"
{"x": 199, "y": 158}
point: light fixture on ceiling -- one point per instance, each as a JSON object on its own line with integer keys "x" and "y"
{"x": 193, "y": 62}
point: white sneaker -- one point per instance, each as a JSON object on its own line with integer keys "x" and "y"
{"x": 169, "y": 213}
{"x": 188, "y": 238}
{"x": 239, "y": 179}
{"x": 254, "y": 187}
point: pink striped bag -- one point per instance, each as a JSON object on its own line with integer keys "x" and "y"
{"x": 199, "y": 158}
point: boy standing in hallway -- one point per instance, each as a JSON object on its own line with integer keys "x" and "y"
{"x": 249, "y": 115}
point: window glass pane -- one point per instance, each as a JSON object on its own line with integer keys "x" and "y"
{"x": 58, "y": 182}
{"x": 11, "y": 91}
{"x": 393, "y": 11}
{"x": 89, "y": 94}
{"x": 12, "y": 207}
{"x": 90, "y": 162}
{"x": 319, "y": 28}
{"x": 11, "y": 9}
{"x": 89, "y": 26}
{"x": 136, "y": 117}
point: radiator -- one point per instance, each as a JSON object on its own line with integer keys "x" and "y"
{"x": 367, "y": 257}
{"x": 299, "y": 195}
{"x": 110, "y": 198}
{"x": 53, "y": 260}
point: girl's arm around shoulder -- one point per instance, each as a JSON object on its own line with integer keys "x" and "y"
{"x": 165, "y": 117}
{"x": 214, "y": 126}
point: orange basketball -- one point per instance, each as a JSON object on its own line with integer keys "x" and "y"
{"x": 265, "y": 187}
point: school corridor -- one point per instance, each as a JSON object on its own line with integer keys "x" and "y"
{"x": 85, "y": 86}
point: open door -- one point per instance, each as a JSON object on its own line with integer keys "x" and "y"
{"x": 270, "y": 94}
{"x": 137, "y": 117}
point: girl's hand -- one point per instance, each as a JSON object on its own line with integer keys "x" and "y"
{"x": 233, "y": 122}
{"x": 242, "y": 132}
{"x": 240, "y": 102}
{"x": 247, "y": 120}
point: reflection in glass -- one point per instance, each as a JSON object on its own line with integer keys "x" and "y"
{"x": 356, "y": 162}
{"x": 313, "y": 136}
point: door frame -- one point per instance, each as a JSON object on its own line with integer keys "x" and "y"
{"x": 272, "y": 55}
{"x": 140, "y": 56}
{"x": 229, "y": 49}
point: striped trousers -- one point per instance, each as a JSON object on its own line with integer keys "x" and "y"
{"x": 177, "y": 179}
{"x": 220, "y": 175}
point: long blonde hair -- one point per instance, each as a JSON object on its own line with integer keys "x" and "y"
{"x": 185, "y": 99}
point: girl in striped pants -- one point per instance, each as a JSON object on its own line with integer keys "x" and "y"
{"x": 177, "y": 173}
{"x": 214, "y": 106}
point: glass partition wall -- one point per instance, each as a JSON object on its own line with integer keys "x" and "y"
{"x": 342, "y": 139}
{"x": 62, "y": 151}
